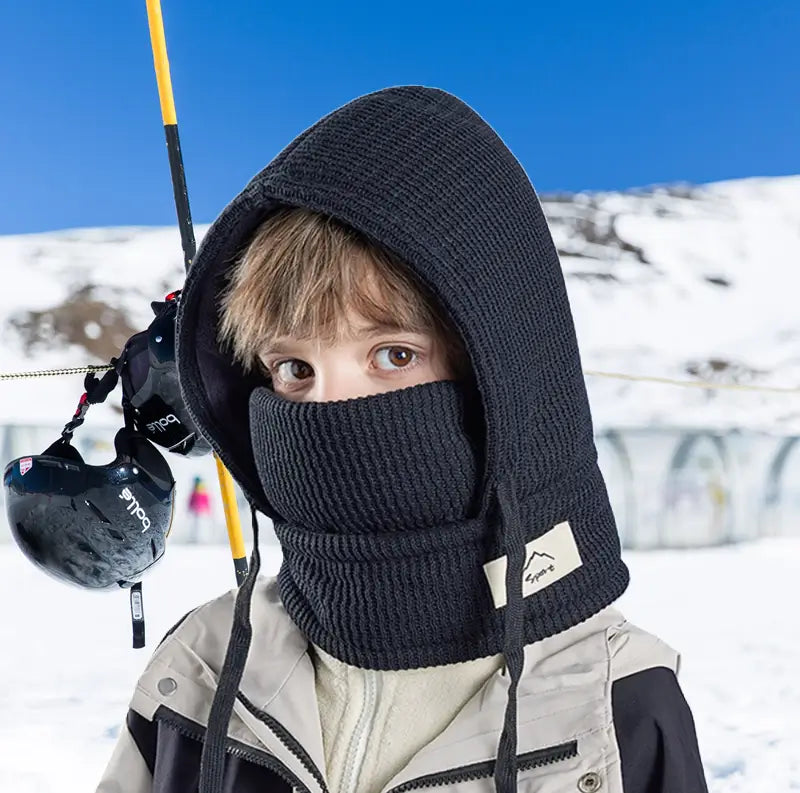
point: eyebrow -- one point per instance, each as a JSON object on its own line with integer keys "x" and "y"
{"x": 370, "y": 330}
{"x": 384, "y": 326}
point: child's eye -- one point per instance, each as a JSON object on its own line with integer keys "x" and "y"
{"x": 293, "y": 369}
{"x": 396, "y": 357}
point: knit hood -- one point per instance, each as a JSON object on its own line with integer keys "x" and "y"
{"x": 420, "y": 172}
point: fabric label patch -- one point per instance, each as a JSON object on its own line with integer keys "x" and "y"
{"x": 25, "y": 465}
{"x": 547, "y": 559}
{"x": 137, "y": 612}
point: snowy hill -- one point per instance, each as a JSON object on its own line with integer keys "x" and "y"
{"x": 678, "y": 281}
{"x": 688, "y": 283}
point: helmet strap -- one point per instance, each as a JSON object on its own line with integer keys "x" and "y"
{"x": 97, "y": 390}
{"x": 137, "y": 615}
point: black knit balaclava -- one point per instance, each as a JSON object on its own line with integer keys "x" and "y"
{"x": 389, "y": 513}
{"x": 381, "y": 566}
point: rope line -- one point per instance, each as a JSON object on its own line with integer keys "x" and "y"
{"x": 589, "y": 372}
{"x": 695, "y": 383}
{"x": 51, "y": 372}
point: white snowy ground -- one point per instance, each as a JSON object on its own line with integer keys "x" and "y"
{"x": 67, "y": 670}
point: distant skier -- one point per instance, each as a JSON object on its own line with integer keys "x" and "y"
{"x": 376, "y": 337}
{"x": 199, "y": 510}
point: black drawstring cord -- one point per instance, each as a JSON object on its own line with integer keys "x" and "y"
{"x": 505, "y": 772}
{"x": 212, "y": 760}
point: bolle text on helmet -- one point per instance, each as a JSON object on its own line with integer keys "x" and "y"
{"x": 135, "y": 508}
{"x": 160, "y": 425}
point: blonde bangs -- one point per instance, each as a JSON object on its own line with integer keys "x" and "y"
{"x": 301, "y": 272}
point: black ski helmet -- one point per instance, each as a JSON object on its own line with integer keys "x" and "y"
{"x": 150, "y": 385}
{"x": 95, "y": 526}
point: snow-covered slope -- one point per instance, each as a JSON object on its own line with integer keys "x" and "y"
{"x": 678, "y": 281}
{"x": 688, "y": 283}
{"x": 73, "y": 298}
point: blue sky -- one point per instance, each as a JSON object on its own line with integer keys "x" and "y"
{"x": 587, "y": 95}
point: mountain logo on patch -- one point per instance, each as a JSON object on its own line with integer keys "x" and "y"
{"x": 532, "y": 576}
{"x": 538, "y": 555}
{"x": 25, "y": 465}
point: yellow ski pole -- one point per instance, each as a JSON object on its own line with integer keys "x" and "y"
{"x": 158, "y": 40}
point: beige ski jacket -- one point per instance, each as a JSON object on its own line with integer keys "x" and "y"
{"x": 599, "y": 709}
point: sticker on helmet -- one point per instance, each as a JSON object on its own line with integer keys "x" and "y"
{"x": 135, "y": 508}
{"x": 161, "y": 425}
{"x": 25, "y": 465}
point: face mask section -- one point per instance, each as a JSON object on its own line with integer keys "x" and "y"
{"x": 382, "y": 557}
{"x": 392, "y": 462}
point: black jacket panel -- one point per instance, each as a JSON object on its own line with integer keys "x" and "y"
{"x": 656, "y": 735}
{"x": 171, "y": 747}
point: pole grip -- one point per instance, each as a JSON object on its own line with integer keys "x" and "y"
{"x": 181, "y": 194}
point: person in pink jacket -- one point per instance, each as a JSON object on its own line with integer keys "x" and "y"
{"x": 199, "y": 508}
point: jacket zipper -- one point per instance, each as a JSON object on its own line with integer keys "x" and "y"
{"x": 468, "y": 773}
{"x": 357, "y": 750}
{"x": 190, "y": 730}
{"x": 287, "y": 739}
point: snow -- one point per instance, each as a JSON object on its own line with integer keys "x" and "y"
{"x": 68, "y": 670}
{"x": 643, "y": 318}
{"x": 125, "y": 267}
{"x": 656, "y": 318}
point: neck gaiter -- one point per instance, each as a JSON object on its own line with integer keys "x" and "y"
{"x": 382, "y": 561}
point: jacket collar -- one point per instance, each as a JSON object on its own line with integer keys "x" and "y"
{"x": 562, "y": 692}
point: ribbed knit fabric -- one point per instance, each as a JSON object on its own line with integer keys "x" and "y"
{"x": 418, "y": 171}
{"x": 380, "y": 565}
{"x": 391, "y": 462}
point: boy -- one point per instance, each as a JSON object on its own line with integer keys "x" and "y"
{"x": 375, "y": 337}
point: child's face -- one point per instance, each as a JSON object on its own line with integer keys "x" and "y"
{"x": 371, "y": 361}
